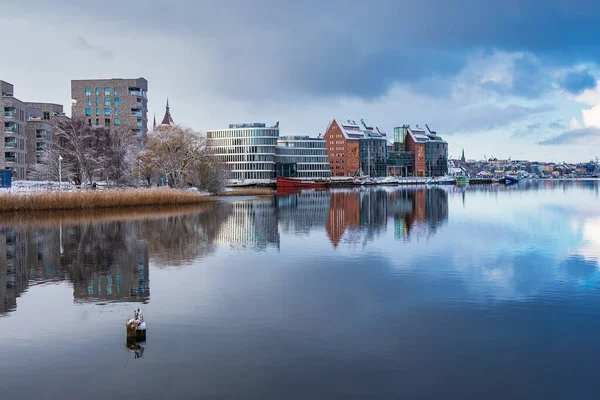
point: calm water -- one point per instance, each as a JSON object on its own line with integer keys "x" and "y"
{"x": 482, "y": 292}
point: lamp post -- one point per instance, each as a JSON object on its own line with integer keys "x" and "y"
{"x": 60, "y": 172}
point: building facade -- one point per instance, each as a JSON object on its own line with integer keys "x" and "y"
{"x": 113, "y": 103}
{"x": 42, "y": 120}
{"x": 248, "y": 150}
{"x": 13, "y": 120}
{"x": 301, "y": 157}
{"x": 355, "y": 148}
{"x": 430, "y": 151}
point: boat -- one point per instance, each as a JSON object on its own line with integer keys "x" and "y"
{"x": 442, "y": 180}
{"x": 302, "y": 183}
{"x": 461, "y": 180}
{"x": 509, "y": 180}
{"x": 136, "y": 326}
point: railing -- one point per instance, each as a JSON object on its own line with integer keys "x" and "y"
{"x": 140, "y": 125}
{"x": 10, "y": 159}
{"x": 9, "y": 114}
{"x": 139, "y": 104}
{"x": 136, "y": 114}
{"x": 10, "y": 130}
{"x": 10, "y": 144}
{"x": 135, "y": 92}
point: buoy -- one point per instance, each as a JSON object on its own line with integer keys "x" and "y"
{"x": 136, "y": 326}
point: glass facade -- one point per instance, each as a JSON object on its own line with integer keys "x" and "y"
{"x": 400, "y": 163}
{"x": 248, "y": 152}
{"x": 302, "y": 157}
{"x": 373, "y": 156}
{"x": 436, "y": 157}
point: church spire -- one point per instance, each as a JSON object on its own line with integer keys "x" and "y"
{"x": 154, "y": 121}
{"x": 463, "y": 155}
{"x": 168, "y": 120}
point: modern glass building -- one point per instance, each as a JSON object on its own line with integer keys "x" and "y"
{"x": 373, "y": 156}
{"x": 436, "y": 156}
{"x": 248, "y": 150}
{"x": 302, "y": 157}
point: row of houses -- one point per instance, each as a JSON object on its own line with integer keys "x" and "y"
{"x": 348, "y": 148}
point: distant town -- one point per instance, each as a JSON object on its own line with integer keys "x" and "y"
{"x": 251, "y": 153}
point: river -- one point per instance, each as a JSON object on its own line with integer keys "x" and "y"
{"x": 383, "y": 292}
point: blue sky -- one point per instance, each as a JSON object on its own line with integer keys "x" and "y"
{"x": 499, "y": 78}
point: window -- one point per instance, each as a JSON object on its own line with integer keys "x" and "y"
{"x": 107, "y": 112}
{"x": 97, "y": 101}
{"x": 116, "y": 91}
{"x": 107, "y": 101}
{"x": 46, "y": 115}
{"x": 117, "y": 121}
{"x": 89, "y": 102}
{"x": 97, "y": 121}
{"x": 89, "y": 121}
{"x": 107, "y": 91}
{"x": 97, "y": 92}
{"x": 88, "y": 91}
{"x": 88, "y": 112}
{"x": 107, "y": 122}
{"x": 116, "y": 112}
{"x": 97, "y": 113}
{"x": 117, "y": 101}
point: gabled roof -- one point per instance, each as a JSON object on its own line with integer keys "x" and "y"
{"x": 358, "y": 129}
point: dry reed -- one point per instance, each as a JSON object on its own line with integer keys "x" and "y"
{"x": 85, "y": 200}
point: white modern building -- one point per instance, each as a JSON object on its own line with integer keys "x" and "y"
{"x": 302, "y": 157}
{"x": 248, "y": 150}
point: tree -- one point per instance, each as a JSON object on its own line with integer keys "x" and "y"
{"x": 210, "y": 174}
{"x": 47, "y": 166}
{"x": 171, "y": 152}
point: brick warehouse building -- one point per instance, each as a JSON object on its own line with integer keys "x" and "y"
{"x": 354, "y": 147}
{"x": 430, "y": 151}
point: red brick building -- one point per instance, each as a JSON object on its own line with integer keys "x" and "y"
{"x": 343, "y": 145}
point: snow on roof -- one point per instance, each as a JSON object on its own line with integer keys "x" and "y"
{"x": 358, "y": 129}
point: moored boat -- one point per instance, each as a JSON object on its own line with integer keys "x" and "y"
{"x": 511, "y": 179}
{"x": 302, "y": 182}
{"x": 136, "y": 326}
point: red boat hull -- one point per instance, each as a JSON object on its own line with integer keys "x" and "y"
{"x": 301, "y": 183}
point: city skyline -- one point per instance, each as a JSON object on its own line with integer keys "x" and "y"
{"x": 463, "y": 70}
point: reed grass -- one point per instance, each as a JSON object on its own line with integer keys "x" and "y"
{"x": 86, "y": 200}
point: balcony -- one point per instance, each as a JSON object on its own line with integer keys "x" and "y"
{"x": 139, "y": 104}
{"x": 10, "y": 143}
{"x": 9, "y": 113}
{"x": 135, "y": 91}
{"x": 10, "y": 128}
{"x": 10, "y": 157}
{"x": 136, "y": 113}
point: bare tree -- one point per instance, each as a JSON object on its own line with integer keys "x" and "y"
{"x": 210, "y": 174}
{"x": 171, "y": 152}
{"x": 47, "y": 166}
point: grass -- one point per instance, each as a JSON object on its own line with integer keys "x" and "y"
{"x": 86, "y": 200}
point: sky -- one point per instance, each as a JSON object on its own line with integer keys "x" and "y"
{"x": 499, "y": 78}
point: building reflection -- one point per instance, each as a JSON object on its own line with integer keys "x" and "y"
{"x": 250, "y": 224}
{"x": 361, "y": 216}
{"x": 106, "y": 260}
{"x": 106, "y": 257}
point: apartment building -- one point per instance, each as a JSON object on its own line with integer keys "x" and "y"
{"x": 114, "y": 103}
{"x": 355, "y": 148}
{"x": 13, "y": 153}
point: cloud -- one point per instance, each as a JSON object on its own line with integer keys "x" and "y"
{"x": 490, "y": 116}
{"x": 82, "y": 44}
{"x": 586, "y": 136}
{"x": 556, "y": 125}
{"x": 577, "y": 82}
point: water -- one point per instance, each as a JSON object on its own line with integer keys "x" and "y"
{"x": 480, "y": 292}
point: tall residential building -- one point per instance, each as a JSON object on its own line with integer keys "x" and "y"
{"x": 248, "y": 150}
{"x": 355, "y": 148}
{"x": 115, "y": 103}
{"x": 42, "y": 119}
{"x": 13, "y": 155}
{"x": 302, "y": 157}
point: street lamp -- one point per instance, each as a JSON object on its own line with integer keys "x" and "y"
{"x": 60, "y": 172}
